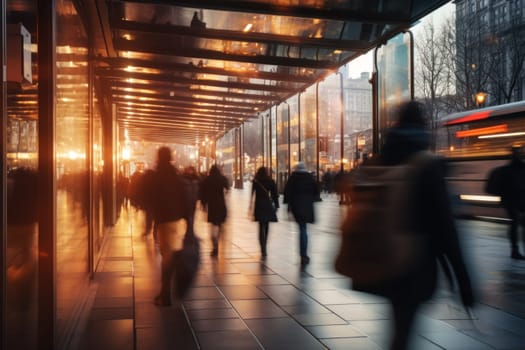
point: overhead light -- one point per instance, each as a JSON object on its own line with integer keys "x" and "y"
{"x": 248, "y": 27}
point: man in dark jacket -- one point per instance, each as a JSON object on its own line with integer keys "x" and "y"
{"x": 513, "y": 197}
{"x": 300, "y": 193}
{"x": 431, "y": 217}
{"x": 170, "y": 205}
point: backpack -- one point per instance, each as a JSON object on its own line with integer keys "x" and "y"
{"x": 379, "y": 239}
{"x": 496, "y": 181}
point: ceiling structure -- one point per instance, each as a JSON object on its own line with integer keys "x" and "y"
{"x": 181, "y": 71}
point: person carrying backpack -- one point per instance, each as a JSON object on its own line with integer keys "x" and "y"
{"x": 405, "y": 187}
{"x": 512, "y": 191}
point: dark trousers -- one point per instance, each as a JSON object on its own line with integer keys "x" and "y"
{"x": 263, "y": 236}
{"x": 403, "y": 315}
{"x": 517, "y": 218}
{"x": 303, "y": 239}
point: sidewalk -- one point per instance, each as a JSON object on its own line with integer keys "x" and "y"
{"x": 240, "y": 302}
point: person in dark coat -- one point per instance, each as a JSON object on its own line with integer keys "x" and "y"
{"x": 300, "y": 193}
{"x": 169, "y": 207}
{"x": 213, "y": 189}
{"x": 513, "y": 197}
{"x": 266, "y": 204}
{"x": 432, "y": 217}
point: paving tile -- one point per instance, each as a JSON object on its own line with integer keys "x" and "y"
{"x": 285, "y": 295}
{"x": 206, "y": 304}
{"x": 319, "y": 319}
{"x": 108, "y": 335}
{"x": 257, "y": 308}
{"x": 455, "y": 341}
{"x": 335, "y": 331}
{"x": 350, "y": 343}
{"x": 228, "y": 340}
{"x": 211, "y": 314}
{"x": 307, "y": 308}
{"x": 242, "y": 292}
{"x": 227, "y": 324}
{"x": 283, "y": 333}
{"x": 357, "y": 312}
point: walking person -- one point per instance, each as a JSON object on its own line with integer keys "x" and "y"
{"x": 300, "y": 193}
{"x": 513, "y": 198}
{"x": 265, "y": 205}
{"x": 192, "y": 185}
{"x": 170, "y": 205}
{"x": 431, "y": 216}
{"x": 213, "y": 189}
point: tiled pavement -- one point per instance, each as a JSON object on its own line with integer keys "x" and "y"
{"x": 240, "y": 302}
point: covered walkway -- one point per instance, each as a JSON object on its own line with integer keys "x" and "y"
{"x": 241, "y": 302}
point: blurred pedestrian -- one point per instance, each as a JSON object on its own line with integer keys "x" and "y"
{"x": 432, "y": 216}
{"x": 213, "y": 189}
{"x": 300, "y": 193}
{"x": 513, "y": 198}
{"x": 146, "y": 199}
{"x": 192, "y": 184}
{"x": 265, "y": 205}
{"x": 170, "y": 206}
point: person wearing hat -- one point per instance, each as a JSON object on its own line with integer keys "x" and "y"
{"x": 300, "y": 193}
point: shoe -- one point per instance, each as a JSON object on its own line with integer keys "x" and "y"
{"x": 517, "y": 256}
{"x": 305, "y": 260}
{"x": 159, "y": 301}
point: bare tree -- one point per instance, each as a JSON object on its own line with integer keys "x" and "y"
{"x": 434, "y": 72}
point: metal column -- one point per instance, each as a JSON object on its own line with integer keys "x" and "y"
{"x": 3, "y": 177}
{"x": 46, "y": 174}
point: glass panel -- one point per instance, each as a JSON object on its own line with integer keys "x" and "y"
{"x": 282, "y": 144}
{"x": 294, "y": 130}
{"x": 252, "y": 147}
{"x": 273, "y": 138}
{"x": 72, "y": 156}
{"x": 330, "y": 123}
{"x": 309, "y": 129}
{"x": 22, "y": 176}
{"x": 393, "y": 79}
{"x": 225, "y": 151}
{"x": 358, "y": 118}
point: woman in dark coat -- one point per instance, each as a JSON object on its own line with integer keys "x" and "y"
{"x": 432, "y": 217}
{"x": 266, "y": 204}
{"x": 213, "y": 188}
{"x": 300, "y": 193}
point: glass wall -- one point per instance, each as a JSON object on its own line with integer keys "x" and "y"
{"x": 225, "y": 154}
{"x": 282, "y": 144}
{"x": 22, "y": 178}
{"x": 253, "y": 149}
{"x": 72, "y": 168}
{"x": 330, "y": 123}
{"x": 309, "y": 129}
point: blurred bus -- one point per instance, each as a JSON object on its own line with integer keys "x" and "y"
{"x": 474, "y": 142}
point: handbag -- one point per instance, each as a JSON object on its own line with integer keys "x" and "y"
{"x": 186, "y": 261}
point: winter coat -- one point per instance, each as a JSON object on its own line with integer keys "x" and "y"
{"x": 432, "y": 216}
{"x": 169, "y": 195}
{"x": 212, "y": 197}
{"x": 266, "y": 200}
{"x": 300, "y": 193}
